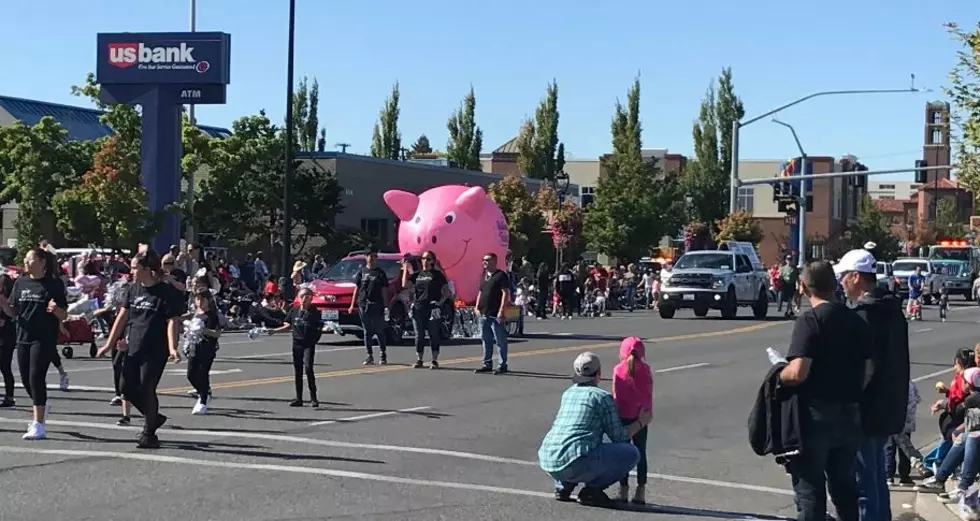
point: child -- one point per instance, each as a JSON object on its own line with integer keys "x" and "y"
{"x": 900, "y": 445}
{"x": 655, "y": 292}
{"x": 200, "y": 355}
{"x": 943, "y": 302}
{"x": 632, "y": 388}
{"x": 305, "y": 323}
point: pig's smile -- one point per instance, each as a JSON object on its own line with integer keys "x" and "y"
{"x": 466, "y": 247}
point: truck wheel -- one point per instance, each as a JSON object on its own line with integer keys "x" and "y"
{"x": 666, "y": 312}
{"x": 729, "y": 308}
{"x": 701, "y": 311}
{"x": 761, "y": 307}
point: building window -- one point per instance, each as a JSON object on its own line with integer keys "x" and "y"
{"x": 886, "y": 187}
{"x": 376, "y": 228}
{"x": 897, "y": 219}
{"x": 746, "y": 199}
{"x": 886, "y": 197}
{"x": 937, "y": 137}
{"x": 588, "y": 196}
{"x": 937, "y": 118}
{"x": 838, "y": 198}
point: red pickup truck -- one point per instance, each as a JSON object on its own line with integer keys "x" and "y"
{"x": 333, "y": 291}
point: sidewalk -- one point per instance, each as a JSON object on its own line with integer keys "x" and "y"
{"x": 928, "y": 507}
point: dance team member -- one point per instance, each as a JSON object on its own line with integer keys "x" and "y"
{"x": 152, "y": 312}
{"x": 307, "y": 326}
{"x": 38, "y": 303}
{"x": 200, "y": 356}
{"x": 8, "y": 344}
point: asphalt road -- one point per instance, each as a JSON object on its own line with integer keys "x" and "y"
{"x": 392, "y": 442}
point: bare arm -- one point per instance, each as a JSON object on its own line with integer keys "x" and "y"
{"x": 796, "y": 371}
{"x": 122, "y": 318}
{"x": 173, "y": 334}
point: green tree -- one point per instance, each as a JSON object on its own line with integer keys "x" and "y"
{"x": 739, "y": 226}
{"x": 948, "y": 221}
{"x": 539, "y": 154}
{"x": 465, "y": 138}
{"x": 872, "y": 227}
{"x": 109, "y": 206}
{"x": 421, "y": 146}
{"x": 524, "y": 218}
{"x": 706, "y": 176}
{"x": 387, "y": 139}
{"x": 310, "y": 137}
{"x": 36, "y": 162}
{"x": 636, "y": 204}
{"x": 241, "y": 200}
{"x": 964, "y": 94}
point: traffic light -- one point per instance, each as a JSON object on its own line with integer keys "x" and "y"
{"x": 920, "y": 175}
{"x": 809, "y": 203}
{"x": 777, "y": 192}
{"x": 859, "y": 181}
{"x": 786, "y": 206}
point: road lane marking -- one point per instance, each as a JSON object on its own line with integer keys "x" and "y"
{"x": 284, "y": 353}
{"x": 55, "y": 387}
{"x": 924, "y": 330}
{"x": 213, "y": 372}
{"x": 681, "y": 367}
{"x": 370, "y": 416}
{"x": 476, "y": 359}
{"x": 365, "y": 476}
{"x": 930, "y": 375}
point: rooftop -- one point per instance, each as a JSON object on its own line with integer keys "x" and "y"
{"x": 81, "y": 123}
{"x": 891, "y": 205}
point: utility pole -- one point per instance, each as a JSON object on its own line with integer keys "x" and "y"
{"x": 343, "y": 147}
{"x": 801, "y": 200}
{"x": 287, "y": 224}
{"x": 191, "y": 232}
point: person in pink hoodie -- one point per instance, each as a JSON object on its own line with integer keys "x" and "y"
{"x": 632, "y": 389}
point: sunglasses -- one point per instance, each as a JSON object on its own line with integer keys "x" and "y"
{"x": 427, "y": 258}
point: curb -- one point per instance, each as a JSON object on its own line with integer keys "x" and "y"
{"x": 930, "y": 509}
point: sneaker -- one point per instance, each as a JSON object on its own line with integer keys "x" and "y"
{"x": 35, "y": 431}
{"x": 434, "y": 364}
{"x": 296, "y": 403}
{"x": 148, "y": 441}
{"x": 931, "y": 485}
{"x": 116, "y": 400}
{"x": 315, "y": 403}
{"x": 951, "y": 497}
{"x": 594, "y": 497}
{"x": 7, "y": 402}
{"x": 200, "y": 409}
{"x": 484, "y": 369}
{"x": 501, "y": 370}
{"x": 906, "y": 482}
{"x": 624, "y": 494}
{"x": 384, "y": 359}
{"x": 419, "y": 364}
{"x": 124, "y": 421}
{"x": 564, "y": 494}
{"x": 63, "y": 382}
{"x": 640, "y": 495}
{"x": 368, "y": 361}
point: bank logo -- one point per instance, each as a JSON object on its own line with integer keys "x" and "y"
{"x": 145, "y": 57}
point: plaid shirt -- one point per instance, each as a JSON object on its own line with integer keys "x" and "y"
{"x": 586, "y": 413}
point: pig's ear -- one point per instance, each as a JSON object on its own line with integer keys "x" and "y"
{"x": 403, "y": 203}
{"x": 472, "y": 201}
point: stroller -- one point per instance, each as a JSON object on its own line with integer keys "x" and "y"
{"x": 594, "y": 304}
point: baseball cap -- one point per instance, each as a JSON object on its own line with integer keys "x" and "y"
{"x": 860, "y": 261}
{"x": 586, "y": 367}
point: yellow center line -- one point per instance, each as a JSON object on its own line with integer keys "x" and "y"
{"x": 471, "y": 359}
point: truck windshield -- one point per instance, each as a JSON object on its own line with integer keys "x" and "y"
{"x": 909, "y": 266}
{"x": 960, "y": 254}
{"x": 346, "y": 269}
{"x": 711, "y": 261}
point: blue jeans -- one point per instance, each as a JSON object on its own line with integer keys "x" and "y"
{"x": 374, "y": 325}
{"x": 493, "y": 331}
{"x": 967, "y": 453}
{"x": 630, "y": 296}
{"x": 874, "y": 501}
{"x": 607, "y": 464}
{"x": 937, "y": 454}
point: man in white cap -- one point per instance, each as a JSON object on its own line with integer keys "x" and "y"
{"x": 885, "y": 402}
{"x": 573, "y": 452}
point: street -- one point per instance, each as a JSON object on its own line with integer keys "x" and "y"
{"x": 392, "y": 442}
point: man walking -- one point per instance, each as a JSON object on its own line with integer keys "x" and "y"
{"x": 885, "y": 401}
{"x": 491, "y": 305}
{"x": 828, "y": 364}
{"x": 371, "y": 298}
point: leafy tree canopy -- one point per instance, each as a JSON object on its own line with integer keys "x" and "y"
{"x": 524, "y": 218}
{"x": 872, "y": 227}
{"x": 739, "y": 226}
{"x": 465, "y": 137}
{"x": 386, "y": 142}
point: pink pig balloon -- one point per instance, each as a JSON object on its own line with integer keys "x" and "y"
{"x": 460, "y": 224}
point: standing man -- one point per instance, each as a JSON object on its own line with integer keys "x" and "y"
{"x": 262, "y": 269}
{"x": 885, "y": 401}
{"x": 829, "y": 365}
{"x": 371, "y": 297}
{"x": 491, "y": 304}
{"x": 788, "y": 276}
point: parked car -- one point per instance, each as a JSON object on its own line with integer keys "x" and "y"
{"x": 886, "y": 276}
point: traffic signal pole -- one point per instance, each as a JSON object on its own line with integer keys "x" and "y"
{"x": 832, "y": 175}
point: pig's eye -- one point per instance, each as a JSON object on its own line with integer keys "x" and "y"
{"x": 418, "y": 218}
{"x": 450, "y": 217}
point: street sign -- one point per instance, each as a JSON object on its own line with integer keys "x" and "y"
{"x": 790, "y": 220}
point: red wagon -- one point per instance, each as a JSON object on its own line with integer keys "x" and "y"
{"x": 76, "y": 331}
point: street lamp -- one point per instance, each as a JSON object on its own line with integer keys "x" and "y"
{"x": 801, "y": 202}
{"x": 560, "y": 183}
{"x": 737, "y": 125}
{"x": 689, "y": 204}
{"x": 287, "y": 224}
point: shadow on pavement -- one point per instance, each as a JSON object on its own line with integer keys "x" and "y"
{"x": 289, "y": 456}
{"x": 653, "y": 508}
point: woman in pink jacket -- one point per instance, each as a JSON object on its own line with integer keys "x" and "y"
{"x": 632, "y": 388}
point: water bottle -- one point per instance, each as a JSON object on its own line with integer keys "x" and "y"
{"x": 256, "y": 332}
{"x": 775, "y": 357}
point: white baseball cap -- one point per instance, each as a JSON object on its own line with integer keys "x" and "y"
{"x": 860, "y": 261}
{"x": 586, "y": 366}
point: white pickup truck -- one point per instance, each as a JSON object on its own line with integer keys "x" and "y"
{"x": 717, "y": 279}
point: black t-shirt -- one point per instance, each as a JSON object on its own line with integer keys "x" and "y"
{"x": 150, "y": 310}
{"x": 208, "y": 344}
{"x": 491, "y": 292}
{"x": 428, "y": 286}
{"x": 307, "y": 326}
{"x": 565, "y": 283}
{"x": 30, "y": 298}
{"x": 837, "y": 340}
{"x": 370, "y": 286}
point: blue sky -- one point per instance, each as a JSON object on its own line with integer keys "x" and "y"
{"x": 509, "y": 50}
